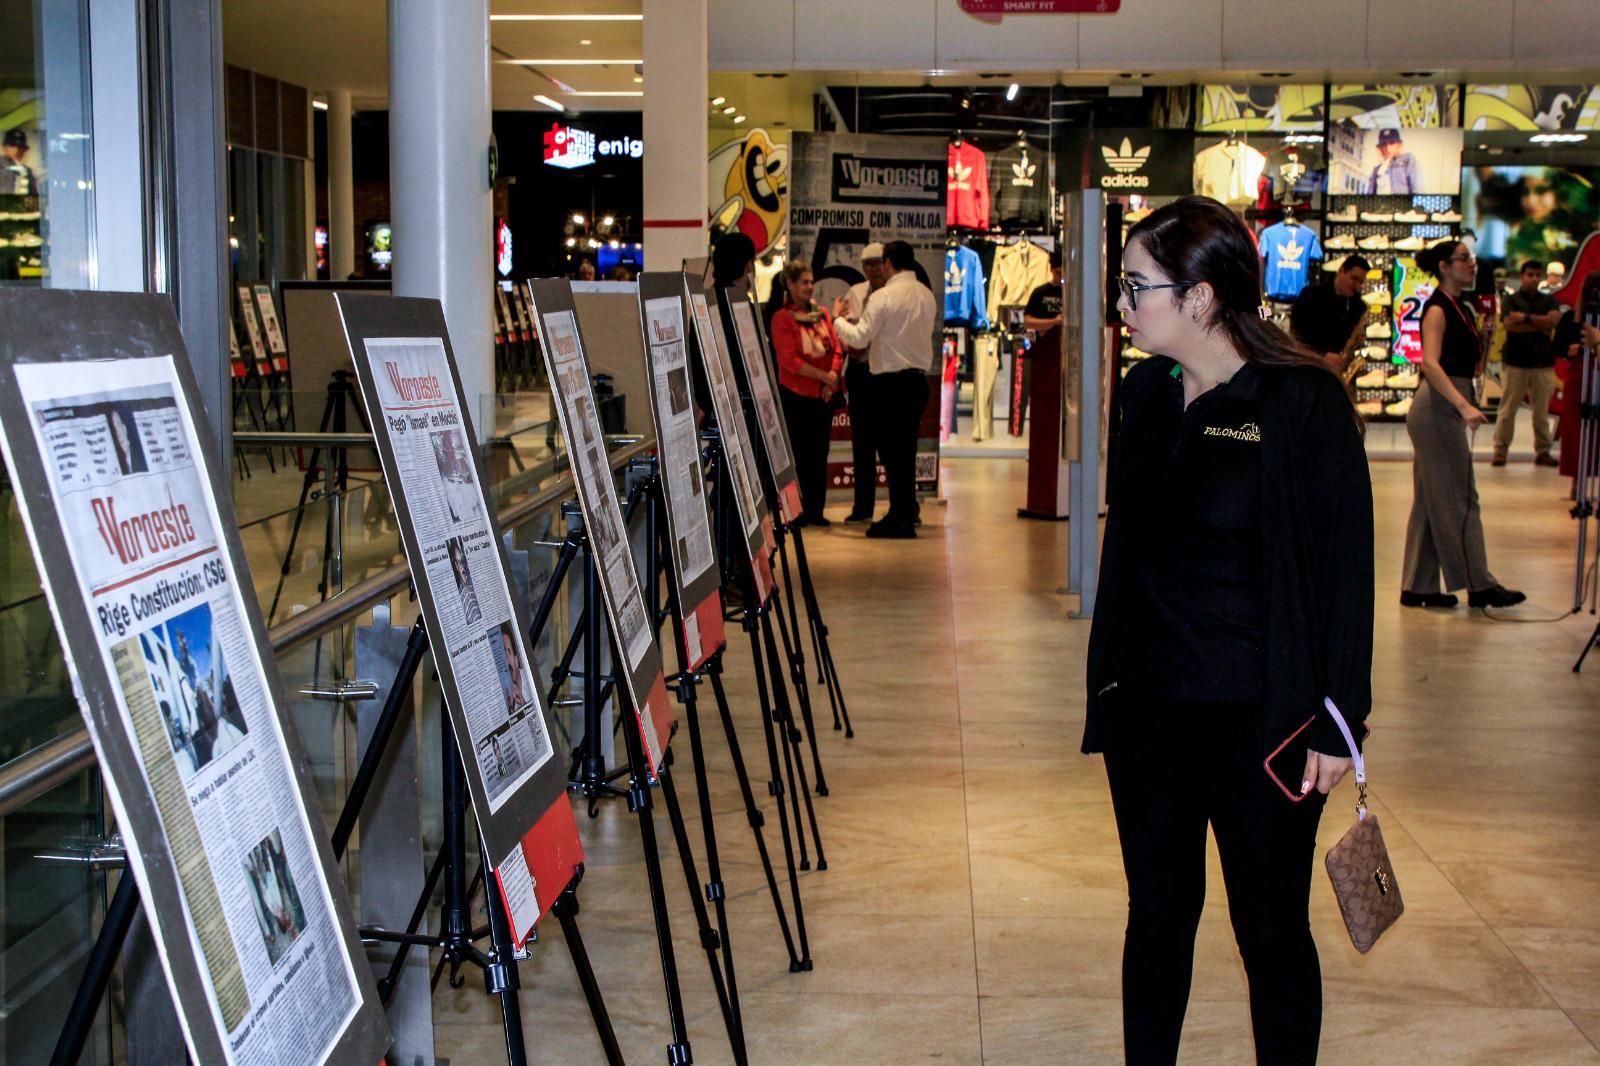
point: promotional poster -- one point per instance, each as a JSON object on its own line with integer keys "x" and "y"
{"x": 143, "y": 579}
{"x": 764, "y": 395}
{"x": 1393, "y": 162}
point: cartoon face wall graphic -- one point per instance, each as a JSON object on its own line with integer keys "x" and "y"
{"x": 750, "y": 189}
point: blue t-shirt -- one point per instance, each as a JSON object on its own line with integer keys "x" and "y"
{"x": 1288, "y": 251}
{"x": 964, "y": 303}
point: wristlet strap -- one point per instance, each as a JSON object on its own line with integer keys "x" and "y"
{"x": 1355, "y": 757}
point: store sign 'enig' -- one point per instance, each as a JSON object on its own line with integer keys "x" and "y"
{"x": 568, "y": 147}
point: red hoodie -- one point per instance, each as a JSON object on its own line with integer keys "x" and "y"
{"x": 967, "y": 202}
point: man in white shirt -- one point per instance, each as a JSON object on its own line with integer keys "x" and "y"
{"x": 858, "y": 391}
{"x": 897, "y": 323}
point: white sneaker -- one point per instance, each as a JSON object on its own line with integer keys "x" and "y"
{"x": 1380, "y": 331}
{"x": 1412, "y": 217}
{"x": 1376, "y": 242}
{"x": 1409, "y": 244}
{"x": 1369, "y": 408}
{"x": 1343, "y": 242}
{"x": 1333, "y": 264}
{"x": 1377, "y": 216}
{"x": 1347, "y": 213}
{"x": 1372, "y": 379}
{"x": 27, "y": 240}
{"x": 1406, "y": 379}
{"x": 1399, "y": 408}
{"x": 1374, "y": 353}
{"x": 1379, "y": 297}
{"x": 1447, "y": 216}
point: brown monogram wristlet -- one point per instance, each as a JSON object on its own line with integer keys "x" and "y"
{"x": 1363, "y": 878}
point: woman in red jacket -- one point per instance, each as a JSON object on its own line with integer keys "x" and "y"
{"x": 810, "y": 363}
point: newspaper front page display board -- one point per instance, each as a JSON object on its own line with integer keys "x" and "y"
{"x": 476, "y": 630}
{"x": 758, "y": 377}
{"x": 117, "y": 482}
{"x": 738, "y": 453}
{"x": 625, "y": 606}
{"x": 665, "y": 323}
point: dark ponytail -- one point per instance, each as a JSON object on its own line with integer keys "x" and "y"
{"x": 1435, "y": 256}
{"x": 1195, "y": 240}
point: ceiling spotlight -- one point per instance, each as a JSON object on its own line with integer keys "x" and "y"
{"x": 737, "y": 119}
{"x": 554, "y": 105}
{"x": 718, "y": 101}
{"x": 615, "y": 243}
{"x": 730, "y": 109}
{"x": 1012, "y": 90}
{"x": 320, "y": 105}
{"x": 577, "y": 220}
{"x": 638, "y": 81}
{"x": 571, "y": 241}
{"x": 608, "y": 221}
{"x": 586, "y": 41}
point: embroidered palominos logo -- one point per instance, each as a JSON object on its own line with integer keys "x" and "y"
{"x": 1247, "y": 432}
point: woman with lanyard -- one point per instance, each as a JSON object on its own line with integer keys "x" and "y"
{"x": 1445, "y": 531}
{"x": 810, "y": 363}
{"x": 1230, "y": 607}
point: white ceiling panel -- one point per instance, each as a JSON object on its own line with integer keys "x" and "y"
{"x": 1153, "y": 35}
{"x": 1435, "y": 34}
{"x": 872, "y": 34}
{"x": 1262, "y": 35}
{"x": 752, "y": 34}
{"x": 1556, "y": 34}
{"x": 1021, "y": 42}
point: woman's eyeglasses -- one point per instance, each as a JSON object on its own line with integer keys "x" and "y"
{"x": 1130, "y": 289}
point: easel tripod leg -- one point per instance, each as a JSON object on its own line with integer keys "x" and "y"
{"x": 797, "y": 769}
{"x": 802, "y": 691}
{"x": 776, "y": 788}
{"x": 566, "y": 911}
{"x": 819, "y": 630}
{"x": 775, "y": 709}
{"x": 97, "y": 972}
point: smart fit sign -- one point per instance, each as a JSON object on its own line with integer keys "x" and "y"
{"x": 1041, "y": 7}
{"x": 568, "y": 147}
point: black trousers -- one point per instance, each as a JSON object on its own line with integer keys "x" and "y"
{"x": 863, "y": 455}
{"x": 900, "y": 399}
{"x": 1174, "y": 768}
{"x": 810, "y": 424}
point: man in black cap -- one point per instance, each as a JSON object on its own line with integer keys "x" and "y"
{"x": 1396, "y": 173}
{"x": 15, "y": 177}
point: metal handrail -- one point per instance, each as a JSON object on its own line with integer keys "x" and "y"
{"x": 58, "y": 760}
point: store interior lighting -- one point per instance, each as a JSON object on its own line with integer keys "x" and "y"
{"x": 566, "y": 18}
{"x": 320, "y": 105}
{"x": 608, "y": 221}
{"x": 1012, "y": 90}
{"x": 718, "y": 101}
{"x": 738, "y": 119}
{"x": 730, "y": 109}
{"x": 554, "y": 105}
{"x": 577, "y": 220}
{"x": 572, "y": 62}
{"x": 572, "y": 242}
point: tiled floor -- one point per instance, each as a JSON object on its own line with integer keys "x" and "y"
{"x": 972, "y": 909}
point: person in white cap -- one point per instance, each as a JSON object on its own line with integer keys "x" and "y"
{"x": 857, "y": 382}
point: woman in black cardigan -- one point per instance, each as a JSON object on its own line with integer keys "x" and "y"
{"x": 1236, "y": 589}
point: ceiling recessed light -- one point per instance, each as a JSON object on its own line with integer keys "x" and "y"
{"x": 566, "y": 18}
{"x": 320, "y": 105}
{"x": 737, "y": 119}
{"x": 638, "y": 81}
{"x": 718, "y": 101}
{"x": 554, "y": 105}
{"x": 577, "y": 220}
{"x": 570, "y": 62}
{"x": 730, "y": 109}
{"x": 1012, "y": 90}
{"x": 586, "y": 41}
{"x": 608, "y": 221}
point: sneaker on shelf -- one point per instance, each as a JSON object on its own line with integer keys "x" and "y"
{"x": 1412, "y": 217}
{"x": 1406, "y": 379}
{"x": 1342, "y": 242}
{"x": 1375, "y": 378}
{"x": 1374, "y": 243}
{"x": 1333, "y": 264}
{"x": 1347, "y": 213}
{"x": 1399, "y": 408}
{"x": 1409, "y": 244}
{"x": 1374, "y": 353}
{"x": 1446, "y": 216}
{"x": 1380, "y": 331}
{"x": 27, "y": 240}
{"x": 1377, "y": 216}
{"x": 1379, "y": 297}
{"x": 1369, "y": 408}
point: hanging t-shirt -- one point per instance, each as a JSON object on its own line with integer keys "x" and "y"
{"x": 1019, "y": 187}
{"x": 1288, "y": 249}
{"x": 1229, "y": 172}
{"x": 967, "y": 199}
{"x": 963, "y": 289}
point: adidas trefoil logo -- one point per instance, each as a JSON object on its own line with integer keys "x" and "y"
{"x": 1022, "y": 173}
{"x": 960, "y": 176}
{"x": 1125, "y": 160}
{"x": 1289, "y": 254}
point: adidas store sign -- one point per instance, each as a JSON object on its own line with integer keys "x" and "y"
{"x": 1151, "y": 162}
{"x": 1125, "y": 162}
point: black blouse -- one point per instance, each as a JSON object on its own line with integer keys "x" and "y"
{"x": 1188, "y": 484}
{"x": 1460, "y": 352}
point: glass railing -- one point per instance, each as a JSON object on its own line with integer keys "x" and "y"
{"x": 322, "y": 550}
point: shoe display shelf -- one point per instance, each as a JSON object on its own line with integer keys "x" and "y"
{"x": 21, "y": 239}
{"x": 1382, "y": 227}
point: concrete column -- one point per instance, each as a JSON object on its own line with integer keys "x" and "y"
{"x": 342, "y": 239}
{"x": 676, "y": 200}
{"x": 439, "y": 176}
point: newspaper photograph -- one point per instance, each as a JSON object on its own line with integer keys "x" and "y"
{"x": 762, "y": 393}
{"x": 680, "y": 440}
{"x": 165, "y": 604}
{"x": 724, "y": 397}
{"x": 269, "y": 319}
{"x": 419, "y": 414}
{"x": 587, "y": 448}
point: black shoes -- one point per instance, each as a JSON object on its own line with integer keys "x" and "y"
{"x": 896, "y": 530}
{"x": 855, "y": 517}
{"x": 1497, "y": 596}
{"x": 820, "y": 521}
{"x": 1428, "y": 599}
